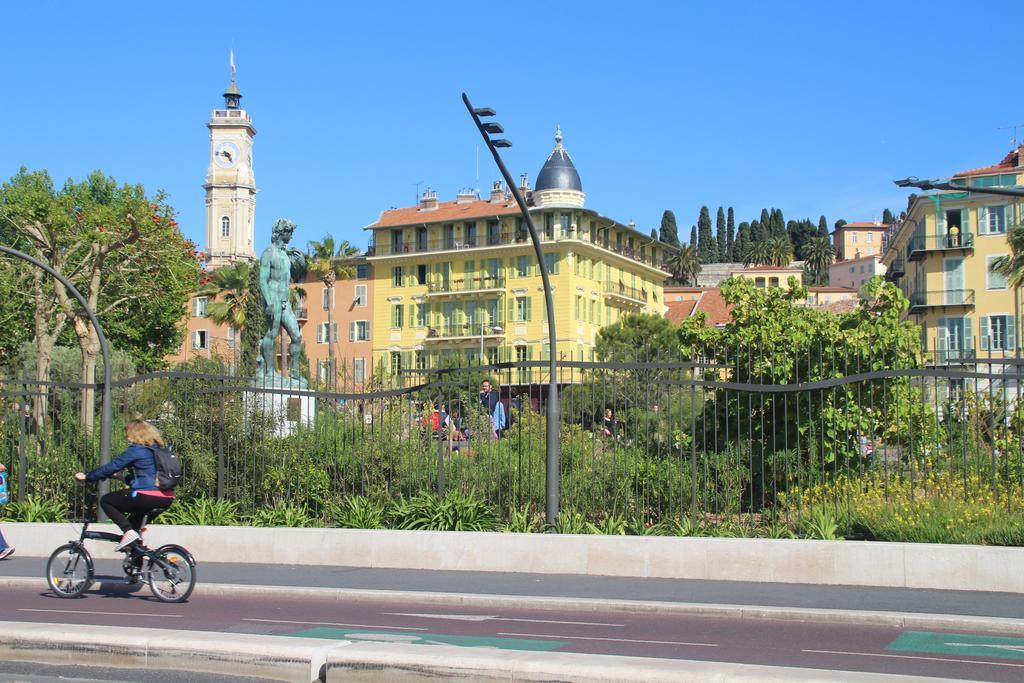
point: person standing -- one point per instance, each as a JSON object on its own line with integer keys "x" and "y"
{"x": 5, "y": 550}
{"x": 491, "y": 403}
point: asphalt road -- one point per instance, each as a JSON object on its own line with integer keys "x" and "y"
{"x": 752, "y": 641}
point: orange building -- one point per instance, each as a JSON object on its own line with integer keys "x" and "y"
{"x": 858, "y": 239}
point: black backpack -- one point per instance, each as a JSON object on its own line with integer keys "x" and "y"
{"x": 168, "y": 468}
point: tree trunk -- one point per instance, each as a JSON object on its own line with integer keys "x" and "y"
{"x": 89, "y": 342}
{"x": 47, "y": 311}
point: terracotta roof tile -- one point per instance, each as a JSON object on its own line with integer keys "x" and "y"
{"x": 832, "y": 290}
{"x": 838, "y": 307}
{"x": 713, "y": 304}
{"x": 861, "y": 225}
{"x": 445, "y": 212}
{"x": 678, "y": 311}
{"x": 1009, "y": 163}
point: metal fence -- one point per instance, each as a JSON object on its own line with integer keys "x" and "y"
{"x": 732, "y": 434}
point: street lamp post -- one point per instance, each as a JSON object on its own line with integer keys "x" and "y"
{"x": 106, "y": 416}
{"x": 948, "y": 184}
{"x": 552, "y": 450}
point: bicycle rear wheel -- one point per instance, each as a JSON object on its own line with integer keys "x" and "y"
{"x": 69, "y": 571}
{"x": 171, "y": 574}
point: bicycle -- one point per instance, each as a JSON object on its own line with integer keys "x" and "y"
{"x": 169, "y": 570}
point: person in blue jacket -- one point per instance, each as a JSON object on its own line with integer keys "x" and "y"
{"x": 5, "y": 550}
{"x": 143, "y": 497}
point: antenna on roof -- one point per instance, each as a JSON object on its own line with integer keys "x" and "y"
{"x": 416, "y": 199}
{"x": 1014, "y": 127}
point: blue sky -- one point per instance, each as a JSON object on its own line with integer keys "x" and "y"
{"x": 810, "y": 107}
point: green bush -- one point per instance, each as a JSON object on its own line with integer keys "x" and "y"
{"x": 356, "y": 512}
{"x": 285, "y": 515}
{"x": 454, "y": 512}
{"x": 34, "y": 509}
{"x": 202, "y": 512}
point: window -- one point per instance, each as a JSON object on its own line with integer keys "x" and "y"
{"x": 323, "y": 370}
{"x": 521, "y": 309}
{"x": 579, "y": 307}
{"x": 522, "y": 266}
{"x": 230, "y": 338}
{"x": 363, "y": 271}
{"x": 871, "y": 237}
{"x": 359, "y": 330}
{"x": 322, "y": 336}
{"x": 422, "y": 315}
{"x": 327, "y": 298}
{"x": 992, "y": 220}
{"x": 759, "y": 282}
{"x": 853, "y": 238}
{"x": 397, "y": 244}
{"x": 522, "y": 356}
{"x": 448, "y": 241}
{"x": 421, "y": 239}
{"x": 549, "y": 226}
{"x": 199, "y": 306}
{"x": 469, "y": 233}
{"x": 566, "y": 221}
{"x": 421, "y": 360}
{"x": 396, "y": 276}
{"x": 493, "y": 233}
{"x": 360, "y": 298}
{"x": 359, "y": 369}
{"x": 853, "y": 269}
{"x": 577, "y": 264}
{"x": 773, "y": 282}
{"x": 994, "y": 280}
{"x": 997, "y": 332}
{"x": 396, "y": 315}
{"x": 551, "y": 263}
{"x": 492, "y": 355}
{"x": 200, "y": 340}
{"x": 421, "y": 274}
{"x": 225, "y": 226}
{"x": 954, "y": 339}
{"x": 396, "y": 362}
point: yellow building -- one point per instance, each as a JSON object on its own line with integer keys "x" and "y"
{"x": 941, "y": 254}
{"x": 460, "y": 277}
{"x": 770, "y": 276}
{"x": 858, "y": 239}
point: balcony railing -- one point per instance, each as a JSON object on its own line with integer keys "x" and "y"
{"x": 920, "y": 245}
{"x": 302, "y": 314}
{"x": 955, "y": 355}
{"x": 922, "y": 301}
{"x": 469, "y": 330}
{"x": 420, "y": 246}
{"x": 466, "y": 285}
{"x": 896, "y": 270}
{"x": 621, "y": 292}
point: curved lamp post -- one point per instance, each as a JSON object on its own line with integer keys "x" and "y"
{"x": 106, "y": 417}
{"x": 551, "y": 460}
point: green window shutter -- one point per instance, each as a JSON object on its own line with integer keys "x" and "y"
{"x": 983, "y": 220}
{"x": 1011, "y": 333}
{"x": 968, "y": 335}
{"x": 529, "y": 309}
{"x": 412, "y": 316}
{"x": 983, "y": 334}
{"x": 512, "y": 310}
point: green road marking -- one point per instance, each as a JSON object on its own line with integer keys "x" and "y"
{"x": 1003, "y": 647}
{"x": 430, "y": 639}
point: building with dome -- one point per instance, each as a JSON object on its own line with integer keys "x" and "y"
{"x": 457, "y": 279}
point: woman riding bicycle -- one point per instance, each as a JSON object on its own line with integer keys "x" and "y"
{"x": 127, "y": 507}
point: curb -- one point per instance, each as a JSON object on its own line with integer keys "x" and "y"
{"x": 309, "y": 660}
{"x": 912, "y": 620}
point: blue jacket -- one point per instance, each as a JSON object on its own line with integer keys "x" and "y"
{"x": 139, "y": 459}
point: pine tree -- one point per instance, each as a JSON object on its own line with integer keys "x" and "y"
{"x": 693, "y": 236}
{"x": 707, "y": 248}
{"x": 255, "y": 324}
{"x": 669, "y": 232}
{"x": 654, "y": 234}
{"x": 823, "y": 227}
{"x": 730, "y": 236}
{"x": 887, "y": 217}
{"x": 756, "y": 232}
{"x": 765, "y": 224}
{"x": 742, "y": 240}
{"x": 720, "y": 252}
{"x": 778, "y": 224}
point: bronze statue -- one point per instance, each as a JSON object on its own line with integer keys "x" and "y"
{"x": 280, "y": 265}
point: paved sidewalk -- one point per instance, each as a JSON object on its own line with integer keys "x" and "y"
{"x": 853, "y": 598}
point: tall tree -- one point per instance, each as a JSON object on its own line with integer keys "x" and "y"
{"x": 823, "y": 227}
{"x": 780, "y": 251}
{"x": 654, "y": 233}
{"x": 721, "y": 255}
{"x": 739, "y": 247}
{"x": 819, "y": 256}
{"x": 757, "y": 253}
{"x": 840, "y": 223}
{"x": 331, "y": 265}
{"x": 693, "y": 236}
{"x": 757, "y": 233}
{"x": 669, "y": 232}
{"x": 778, "y": 224}
{"x": 685, "y": 265}
{"x": 765, "y": 221}
{"x": 887, "y": 217}
{"x": 229, "y": 288}
{"x": 730, "y": 236}
{"x": 707, "y": 248}
{"x": 255, "y": 324}
{"x": 1012, "y": 266}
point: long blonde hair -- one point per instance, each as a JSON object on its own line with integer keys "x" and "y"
{"x": 143, "y": 433}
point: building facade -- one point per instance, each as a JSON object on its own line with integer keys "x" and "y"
{"x": 460, "y": 279}
{"x": 858, "y": 239}
{"x": 853, "y": 273}
{"x": 941, "y": 254}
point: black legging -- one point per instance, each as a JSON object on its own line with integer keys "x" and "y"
{"x": 126, "y": 511}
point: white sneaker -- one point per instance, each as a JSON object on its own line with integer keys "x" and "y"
{"x": 6, "y": 552}
{"x": 129, "y": 537}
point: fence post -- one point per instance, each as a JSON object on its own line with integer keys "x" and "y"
{"x": 440, "y": 457}
{"x": 22, "y": 433}
{"x": 220, "y": 439}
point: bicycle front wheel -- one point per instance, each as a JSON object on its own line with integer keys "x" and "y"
{"x": 69, "y": 571}
{"x": 171, "y": 574}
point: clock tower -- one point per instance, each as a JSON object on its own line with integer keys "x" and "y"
{"x": 230, "y": 185}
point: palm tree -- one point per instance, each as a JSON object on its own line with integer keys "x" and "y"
{"x": 228, "y": 286}
{"x": 1012, "y": 266}
{"x": 329, "y": 263}
{"x": 819, "y": 255}
{"x": 685, "y": 265}
{"x": 780, "y": 251}
{"x": 757, "y": 254}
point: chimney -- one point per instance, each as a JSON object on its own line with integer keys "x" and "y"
{"x": 524, "y": 183}
{"x": 497, "y": 192}
{"x": 1020, "y": 156}
{"x": 428, "y": 202}
{"x": 466, "y": 195}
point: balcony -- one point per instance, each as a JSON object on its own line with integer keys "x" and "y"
{"x": 896, "y": 270}
{"x": 302, "y": 314}
{"x": 955, "y": 356}
{"x": 629, "y": 297}
{"x": 466, "y": 331}
{"x": 920, "y": 302}
{"x": 921, "y": 245}
{"x": 505, "y": 239}
{"x": 488, "y": 284}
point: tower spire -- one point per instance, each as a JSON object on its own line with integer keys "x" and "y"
{"x": 232, "y": 96}
{"x": 558, "y": 136}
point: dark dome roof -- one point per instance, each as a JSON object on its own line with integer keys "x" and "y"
{"x": 559, "y": 173}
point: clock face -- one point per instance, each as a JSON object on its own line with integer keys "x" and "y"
{"x": 226, "y": 154}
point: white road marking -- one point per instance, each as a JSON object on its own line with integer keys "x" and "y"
{"x": 115, "y": 614}
{"x": 612, "y": 640}
{"x": 330, "y": 623}
{"x": 482, "y": 617}
{"x": 930, "y": 659}
{"x": 1011, "y": 648}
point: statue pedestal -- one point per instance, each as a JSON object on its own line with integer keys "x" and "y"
{"x": 285, "y": 400}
